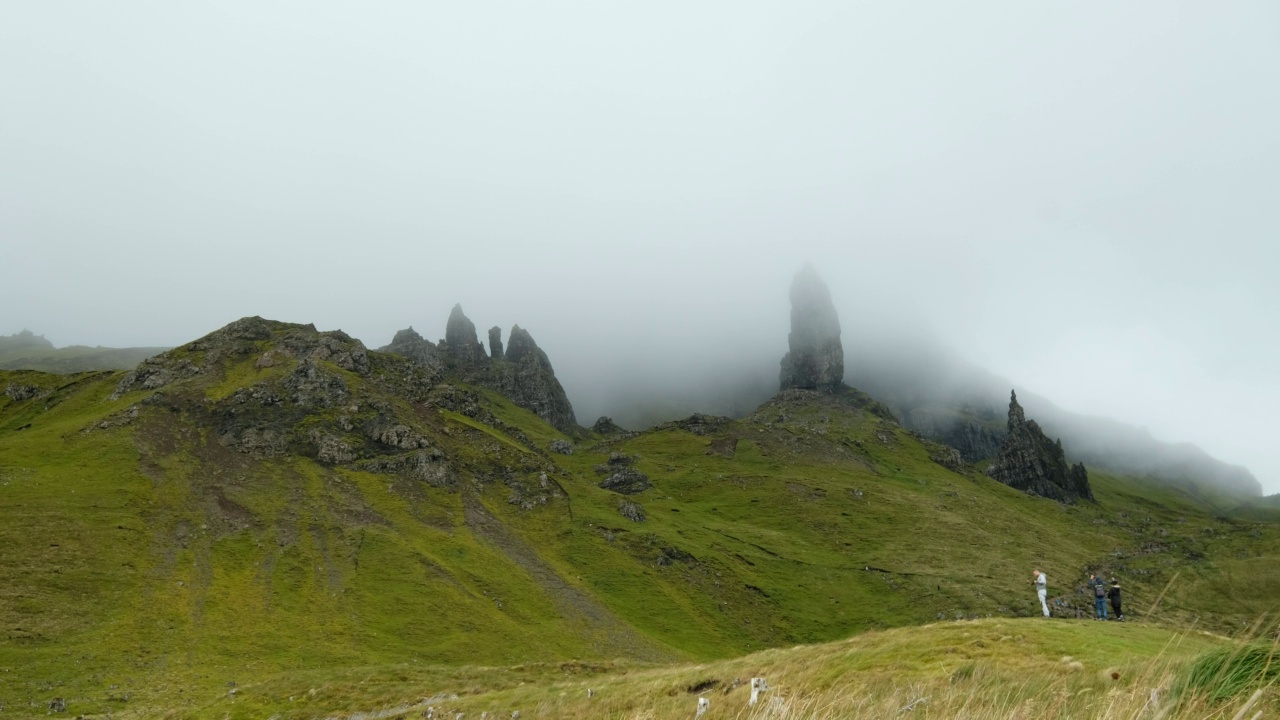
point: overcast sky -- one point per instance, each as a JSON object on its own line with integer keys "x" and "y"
{"x": 1079, "y": 196}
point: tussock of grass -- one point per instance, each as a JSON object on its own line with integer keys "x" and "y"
{"x": 1227, "y": 673}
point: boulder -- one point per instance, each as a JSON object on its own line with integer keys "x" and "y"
{"x": 627, "y": 481}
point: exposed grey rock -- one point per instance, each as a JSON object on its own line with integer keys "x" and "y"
{"x": 460, "y": 340}
{"x": 18, "y": 393}
{"x": 58, "y": 705}
{"x": 526, "y": 377}
{"x": 495, "y": 343}
{"x": 332, "y": 450}
{"x": 1030, "y": 461}
{"x": 562, "y": 447}
{"x": 627, "y": 480}
{"x": 310, "y": 385}
{"x": 410, "y": 344}
{"x": 631, "y": 511}
{"x": 427, "y": 466}
{"x": 815, "y": 360}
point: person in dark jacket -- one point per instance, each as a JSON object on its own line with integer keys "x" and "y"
{"x": 1114, "y": 596}
{"x": 1099, "y": 588}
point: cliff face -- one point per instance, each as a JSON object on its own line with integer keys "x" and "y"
{"x": 521, "y": 371}
{"x": 526, "y": 376}
{"x": 815, "y": 360}
{"x": 1031, "y": 462}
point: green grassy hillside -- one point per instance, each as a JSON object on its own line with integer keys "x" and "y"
{"x": 270, "y": 501}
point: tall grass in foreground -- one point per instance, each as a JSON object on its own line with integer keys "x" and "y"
{"x": 979, "y": 670}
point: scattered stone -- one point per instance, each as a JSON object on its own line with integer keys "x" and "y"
{"x": 700, "y": 424}
{"x": 1030, "y": 462}
{"x": 561, "y": 446}
{"x": 815, "y": 360}
{"x": 58, "y": 705}
{"x": 758, "y": 685}
{"x": 703, "y": 705}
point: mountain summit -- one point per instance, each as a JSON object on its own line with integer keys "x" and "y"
{"x": 815, "y": 360}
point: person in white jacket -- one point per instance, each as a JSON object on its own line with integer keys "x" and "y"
{"x": 1041, "y": 584}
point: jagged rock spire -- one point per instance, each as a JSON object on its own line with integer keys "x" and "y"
{"x": 460, "y": 339}
{"x": 815, "y": 360}
{"x": 1016, "y": 415}
{"x": 528, "y": 379}
{"x": 1031, "y": 462}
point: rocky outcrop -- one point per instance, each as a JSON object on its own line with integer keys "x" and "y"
{"x": 606, "y": 426}
{"x": 410, "y": 344}
{"x": 1031, "y": 462}
{"x": 815, "y": 360}
{"x": 495, "y": 342}
{"x": 461, "y": 346}
{"x": 521, "y": 371}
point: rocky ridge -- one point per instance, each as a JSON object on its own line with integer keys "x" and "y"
{"x": 521, "y": 371}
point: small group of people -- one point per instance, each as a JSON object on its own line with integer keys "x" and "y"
{"x": 1098, "y": 586}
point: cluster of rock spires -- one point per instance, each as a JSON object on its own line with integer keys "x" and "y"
{"x": 815, "y": 360}
{"x": 521, "y": 371}
{"x": 1029, "y": 461}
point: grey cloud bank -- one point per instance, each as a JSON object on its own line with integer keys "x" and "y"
{"x": 1078, "y": 198}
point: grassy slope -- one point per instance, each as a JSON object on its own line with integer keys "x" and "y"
{"x": 147, "y": 568}
{"x": 983, "y": 668}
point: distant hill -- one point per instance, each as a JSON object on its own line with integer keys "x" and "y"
{"x": 949, "y": 400}
{"x": 28, "y": 351}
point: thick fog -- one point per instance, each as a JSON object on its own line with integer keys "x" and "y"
{"x": 1079, "y": 197}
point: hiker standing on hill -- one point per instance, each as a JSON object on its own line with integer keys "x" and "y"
{"x": 1099, "y": 588}
{"x": 1038, "y": 579}
{"x": 1114, "y": 595}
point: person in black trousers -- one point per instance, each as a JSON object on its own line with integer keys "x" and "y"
{"x": 1114, "y": 596}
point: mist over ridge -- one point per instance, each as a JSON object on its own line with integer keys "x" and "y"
{"x": 1084, "y": 208}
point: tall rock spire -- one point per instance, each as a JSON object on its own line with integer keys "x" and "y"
{"x": 460, "y": 339}
{"x": 815, "y": 360}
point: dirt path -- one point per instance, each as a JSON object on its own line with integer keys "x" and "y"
{"x": 607, "y": 634}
